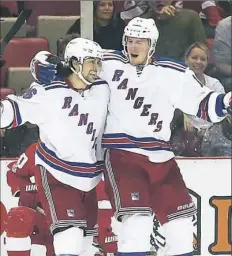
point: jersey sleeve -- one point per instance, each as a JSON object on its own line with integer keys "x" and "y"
{"x": 193, "y": 98}
{"x": 17, "y": 110}
{"x": 25, "y": 164}
{"x": 21, "y": 171}
{"x": 217, "y": 86}
{"x": 104, "y": 74}
{"x": 15, "y": 179}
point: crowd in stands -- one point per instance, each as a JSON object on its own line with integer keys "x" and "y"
{"x": 193, "y": 33}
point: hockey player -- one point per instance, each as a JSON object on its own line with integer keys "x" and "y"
{"x": 70, "y": 116}
{"x": 142, "y": 175}
{"x": 26, "y": 226}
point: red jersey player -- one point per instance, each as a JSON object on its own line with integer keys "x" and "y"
{"x": 26, "y": 226}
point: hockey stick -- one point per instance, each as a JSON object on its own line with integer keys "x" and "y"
{"x": 23, "y": 16}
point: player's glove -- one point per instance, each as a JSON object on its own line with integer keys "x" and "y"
{"x": 45, "y": 66}
{"x": 28, "y": 195}
{"x": 228, "y": 102}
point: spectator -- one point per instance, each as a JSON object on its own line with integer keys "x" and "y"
{"x": 210, "y": 12}
{"x": 134, "y": 9}
{"x": 196, "y": 135}
{"x": 222, "y": 52}
{"x": 178, "y": 29}
{"x": 108, "y": 26}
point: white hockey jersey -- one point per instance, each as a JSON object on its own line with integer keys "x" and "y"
{"x": 142, "y": 104}
{"x": 71, "y": 124}
{"x": 212, "y": 84}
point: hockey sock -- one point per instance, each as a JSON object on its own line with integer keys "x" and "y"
{"x": 24, "y": 253}
{"x": 18, "y": 246}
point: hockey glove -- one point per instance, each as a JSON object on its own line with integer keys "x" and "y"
{"x": 44, "y": 67}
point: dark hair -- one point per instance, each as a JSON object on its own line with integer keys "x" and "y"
{"x": 62, "y": 43}
{"x": 96, "y": 3}
{"x": 197, "y": 45}
{"x": 113, "y": 21}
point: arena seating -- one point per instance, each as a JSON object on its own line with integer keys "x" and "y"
{"x": 7, "y": 23}
{"x": 58, "y": 25}
{"x": 19, "y": 78}
{"x": 19, "y": 53}
{"x": 6, "y": 91}
{"x": 54, "y": 8}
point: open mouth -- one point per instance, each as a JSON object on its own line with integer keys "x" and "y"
{"x": 134, "y": 55}
{"x": 94, "y": 75}
{"x": 197, "y": 67}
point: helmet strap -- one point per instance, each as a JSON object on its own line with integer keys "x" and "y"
{"x": 80, "y": 75}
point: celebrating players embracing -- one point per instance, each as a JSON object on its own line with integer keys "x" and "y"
{"x": 141, "y": 175}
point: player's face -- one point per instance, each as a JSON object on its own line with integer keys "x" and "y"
{"x": 104, "y": 10}
{"x": 91, "y": 69}
{"x": 138, "y": 50}
{"x": 197, "y": 60}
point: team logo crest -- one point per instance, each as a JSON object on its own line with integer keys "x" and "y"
{"x": 135, "y": 196}
{"x": 70, "y": 212}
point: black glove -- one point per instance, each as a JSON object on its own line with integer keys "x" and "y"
{"x": 61, "y": 67}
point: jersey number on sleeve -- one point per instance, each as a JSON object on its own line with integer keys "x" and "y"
{"x": 20, "y": 163}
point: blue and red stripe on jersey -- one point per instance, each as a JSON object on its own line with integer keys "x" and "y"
{"x": 220, "y": 105}
{"x": 17, "y": 117}
{"x": 203, "y": 108}
{"x": 73, "y": 168}
{"x": 123, "y": 140}
{"x": 203, "y": 111}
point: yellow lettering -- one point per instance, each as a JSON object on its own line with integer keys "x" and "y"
{"x": 223, "y": 225}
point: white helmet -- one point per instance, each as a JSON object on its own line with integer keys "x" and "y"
{"x": 142, "y": 28}
{"x": 81, "y": 49}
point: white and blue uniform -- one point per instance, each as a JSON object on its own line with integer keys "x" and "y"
{"x": 143, "y": 102}
{"x": 71, "y": 124}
